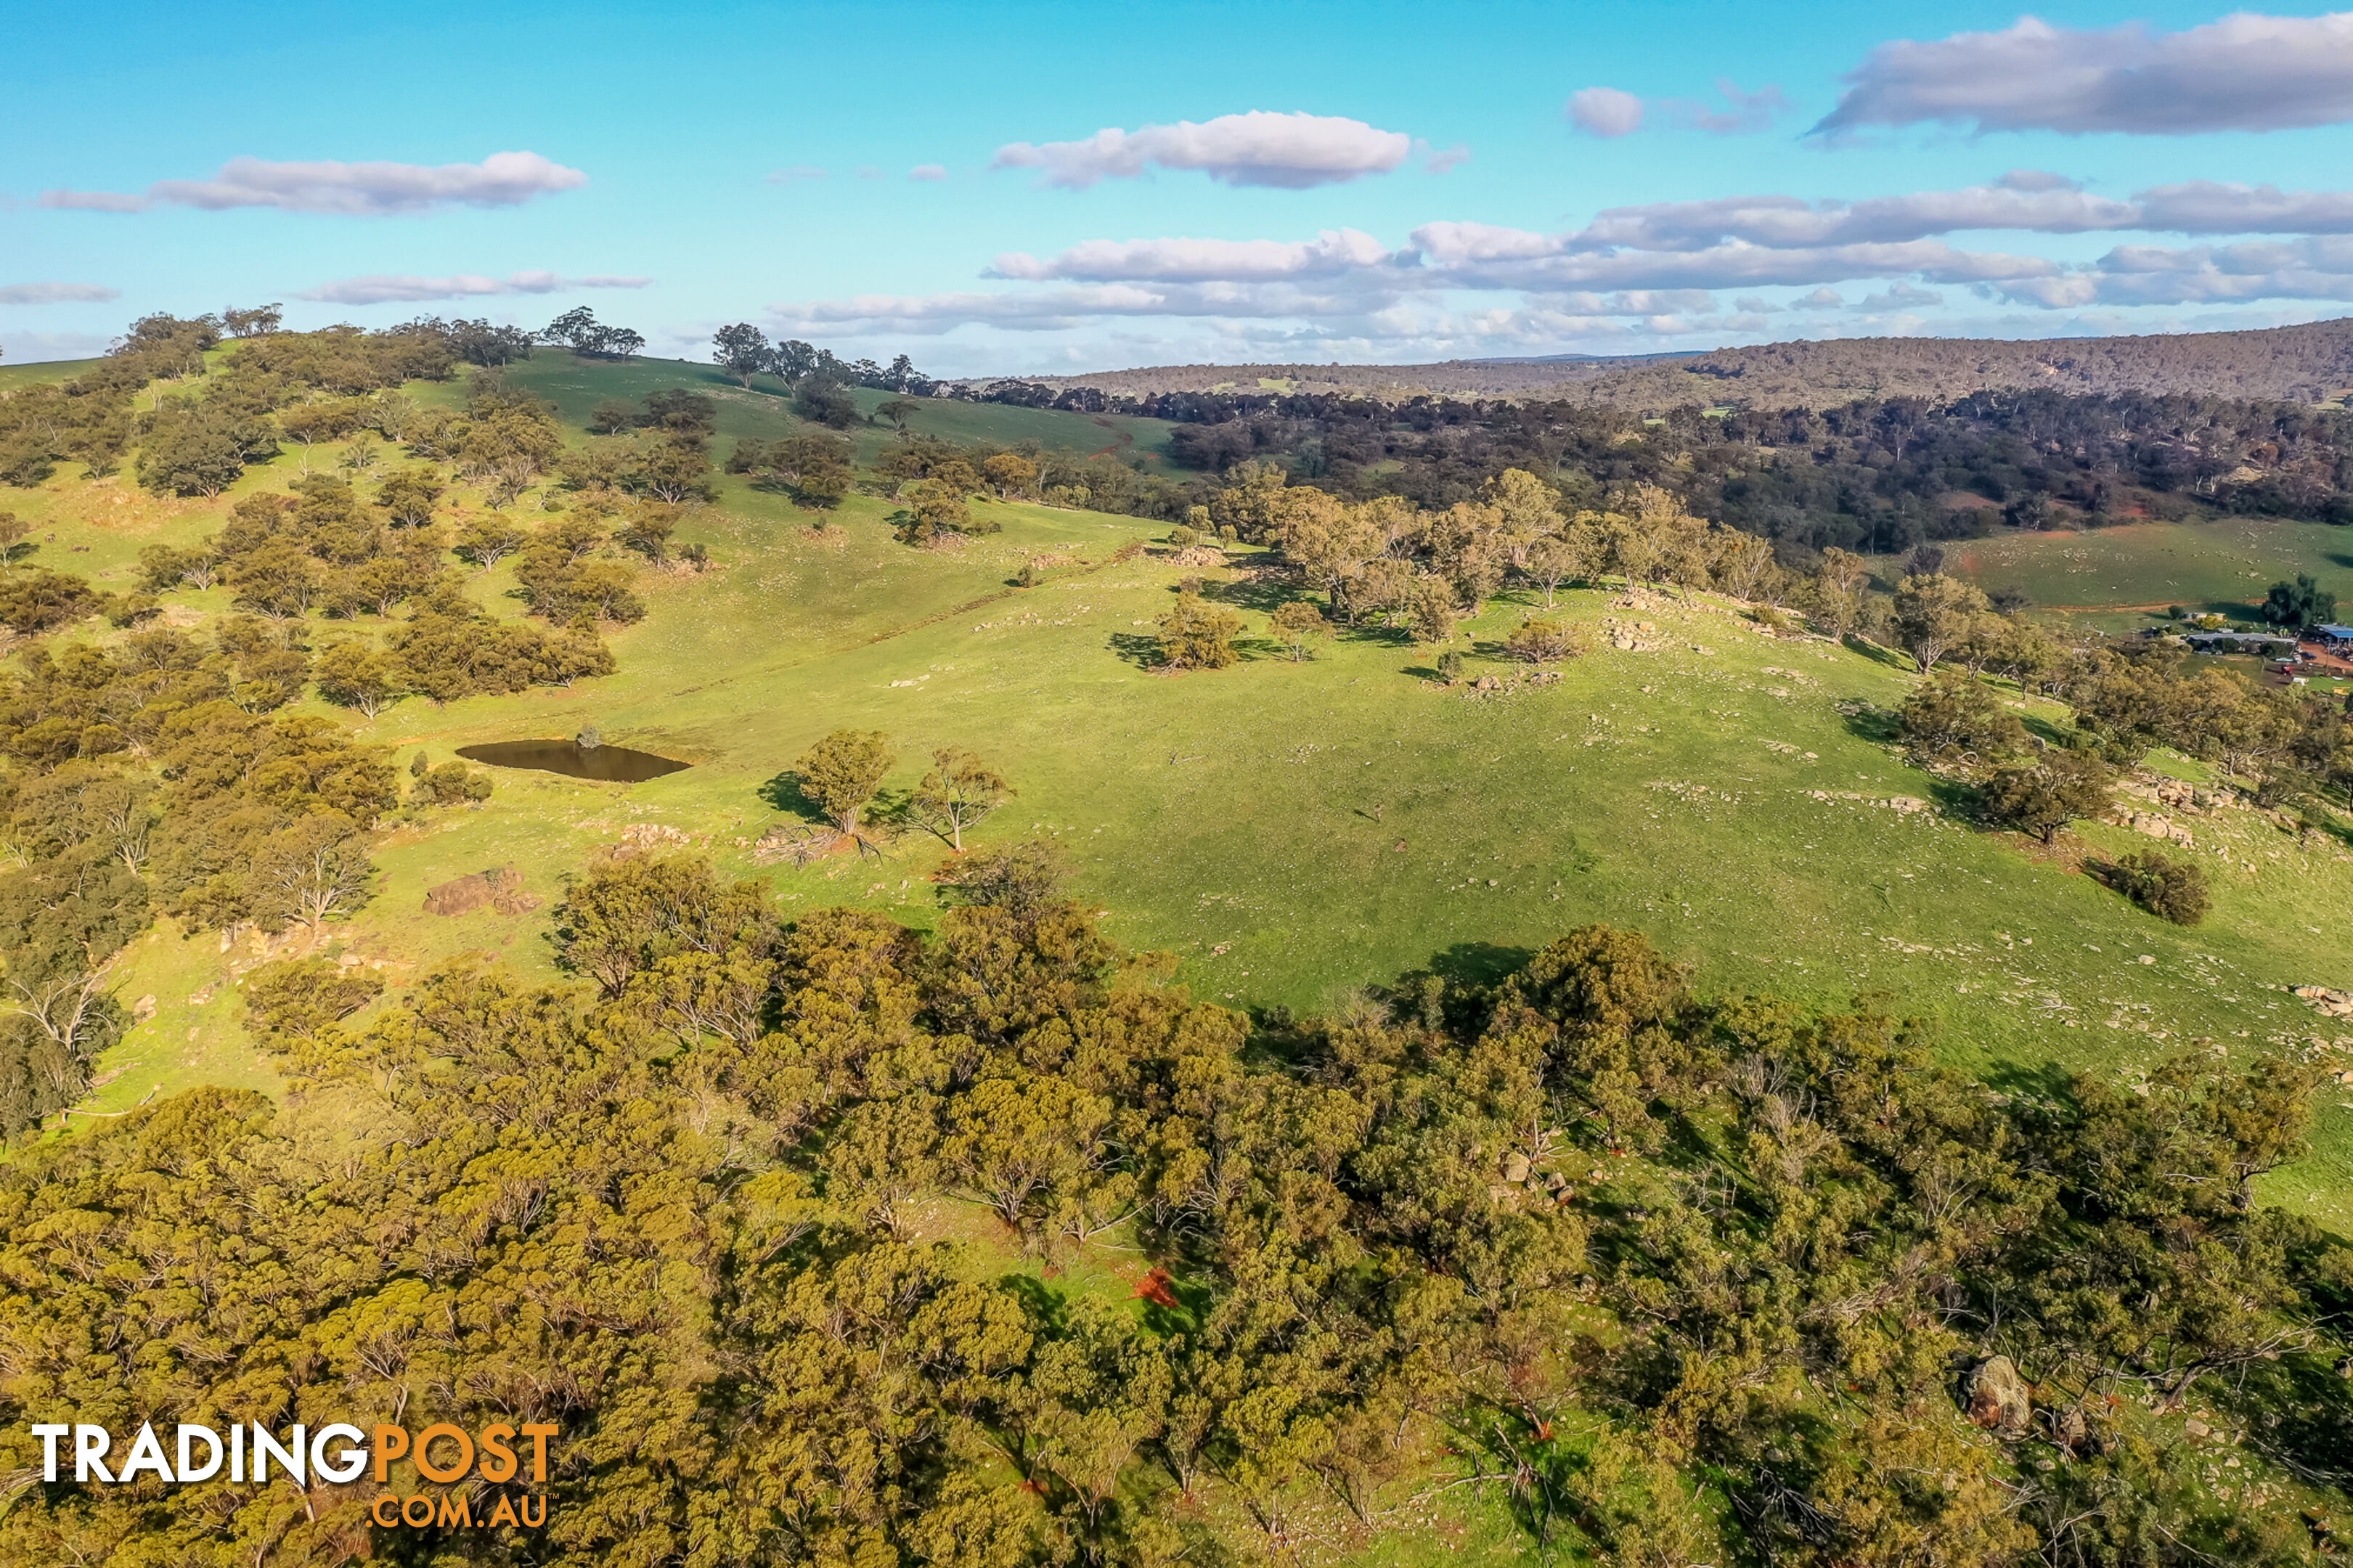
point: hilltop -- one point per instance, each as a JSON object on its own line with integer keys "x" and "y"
{"x": 2308, "y": 363}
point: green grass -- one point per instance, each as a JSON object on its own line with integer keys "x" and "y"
{"x": 576, "y": 385}
{"x": 2116, "y": 579}
{"x": 1250, "y": 820}
{"x": 14, "y": 376}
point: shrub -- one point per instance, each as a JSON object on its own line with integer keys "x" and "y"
{"x": 1537, "y": 641}
{"x": 1194, "y": 636}
{"x": 2175, "y": 890}
{"x": 453, "y": 783}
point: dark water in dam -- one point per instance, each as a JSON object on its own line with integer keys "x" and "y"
{"x": 607, "y": 764}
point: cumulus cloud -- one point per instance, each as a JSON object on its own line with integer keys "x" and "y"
{"x": 2245, "y": 72}
{"x": 1196, "y": 260}
{"x": 928, "y": 171}
{"x": 500, "y": 180}
{"x": 1292, "y": 152}
{"x": 56, "y": 293}
{"x": 388, "y": 287}
{"x": 2037, "y": 180}
{"x": 1820, "y": 299}
{"x": 1453, "y": 157}
{"x": 1604, "y": 111}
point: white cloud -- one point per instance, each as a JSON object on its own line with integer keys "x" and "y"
{"x": 929, "y": 171}
{"x": 1633, "y": 302}
{"x": 388, "y": 287}
{"x": 1292, "y": 152}
{"x": 1604, "y": 111}
{"x": 1820, "y": 299}
{"x": 2205, "y": 207}
{"x": 1774, "y": 220}
{"x": 1453, "y": 157}
{"x": 1899, "y": 297}
{"x": 1746, "y": 113}
{"x": 56, "y": 293}
{"x": 1194, "y": 260}
{"x": 2037, "y": 180}
{"x": 2245, "y": 72}
{"x": 785, "y": 176}
{"x": 1481, "y": 256}
{"x": 2319, "y": 269}
{"x": 502, "y": 179}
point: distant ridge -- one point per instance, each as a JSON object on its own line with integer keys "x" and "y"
{"x": 2307, "y": 364}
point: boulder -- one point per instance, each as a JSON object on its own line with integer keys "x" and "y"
{"x": 1515, "y": 1167}
{"x": 501, "y": 888}
{"x": 462, "y": 896}
{"x": 1997, "y": 1399}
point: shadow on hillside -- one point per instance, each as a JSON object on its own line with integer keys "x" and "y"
{"x": 1251, "y": 594}
{"x": 1469, "y": 965}
{"x": 2050, "y": 731}
{"x": 2299, "y": 1410}
{"x": 1878, "y": 655}
{"x": 1957, "y": 800}
{"x": 2041, "y": 1083}
{"x": 1881, "y": 726}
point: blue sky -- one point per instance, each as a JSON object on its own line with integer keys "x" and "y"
{"x": 1008, "y": 188}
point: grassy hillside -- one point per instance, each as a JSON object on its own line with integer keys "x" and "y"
{"x": 1292, "y": 831}
{"x": 2117, "y": 579}
{"x": 2307, "y": 364}
{"x": 576, "y": 385}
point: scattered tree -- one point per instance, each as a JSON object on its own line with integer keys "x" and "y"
{"x": 1298, "y": 624}
{"x": 958, "y": 792}
{"x": 1194, "y": 636}
{"x": 841, "y": 773}
{"x": 2042, "y": 797}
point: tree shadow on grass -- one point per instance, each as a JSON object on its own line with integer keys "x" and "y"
{"x": 1252, "y": 593}
{"x": 2041, "y": 1083}
{"x": 1046, "y": 1305}
{"x": 1136, "y": 648}
{"x": 1478, "y": 965}
{"x": 783, "y": 793}
{"x": 1958, "y": 799}
{"x": 1881, "y": 726}
{"x": 1878, "y": 655}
